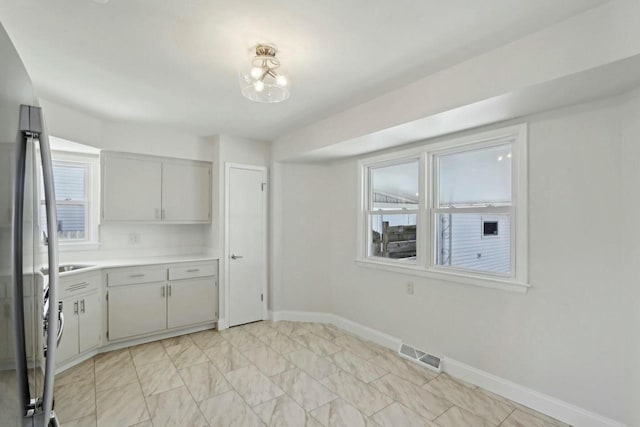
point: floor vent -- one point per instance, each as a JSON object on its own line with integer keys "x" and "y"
{"x": 418, "y": 356}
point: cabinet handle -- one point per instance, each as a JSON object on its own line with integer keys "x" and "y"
{"x": 162, "y": 214}
{"x": 193, "y": 270}
{"x": 75, "y": 307}
{"x": 157, "y": 213}
{"x": 169, "y": 290}
{"x": 82, "y": 306}
{"x": 136, "y": 275}
{"x": 163, "y": 292}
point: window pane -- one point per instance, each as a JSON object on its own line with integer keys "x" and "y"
{"x": 474, "y": 242}
{"x": 71, "y": 221}
{"x": 393, "y": 236}
{"x": 395, "y": 187}
{"x": 476, "y": 177}
{"x": 69, "y": 181}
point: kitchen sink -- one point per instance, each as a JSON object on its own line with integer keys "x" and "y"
{"x": 66, "y": 268}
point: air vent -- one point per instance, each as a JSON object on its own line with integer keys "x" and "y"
{"x": 421, "y": 357}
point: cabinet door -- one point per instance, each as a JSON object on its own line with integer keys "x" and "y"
{"x": 89, "y": 335}
{"x": 192, "y": 301}
{"x": 131, "y": 188}
{"x": 137, "y": 310}
{"x": 68, "y": 346}
{"x": 186, "y": 192}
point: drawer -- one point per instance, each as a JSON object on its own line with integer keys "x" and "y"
{"x": 192, "y": 271}
{"x": 131, "y": 276}
{"x": 77, "y": 284}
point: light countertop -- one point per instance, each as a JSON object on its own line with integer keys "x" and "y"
{"x": 98, "y": 264}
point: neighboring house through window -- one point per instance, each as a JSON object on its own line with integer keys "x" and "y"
{"x": 453, "y": 209}
{"x": 75, "y": 175}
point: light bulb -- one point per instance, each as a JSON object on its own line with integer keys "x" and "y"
{"x": 509, "y": 155}
{"x": 500, "y": 158}
{"x": 259, "y": 86}
{"x": 281, "y": 81}
{"x": 256, "y": 72}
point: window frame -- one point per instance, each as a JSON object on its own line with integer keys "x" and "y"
{"x": 426, "y": 239}
{"x": 370, "y": 212}
{"x": 91, "y": 163}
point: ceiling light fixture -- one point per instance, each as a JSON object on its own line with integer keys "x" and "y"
{"x": 263, "y": 83}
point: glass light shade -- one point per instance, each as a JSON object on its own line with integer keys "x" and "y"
{"x": 269, "y": 92}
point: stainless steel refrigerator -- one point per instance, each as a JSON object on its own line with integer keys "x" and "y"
{"x": 31, "y": 322}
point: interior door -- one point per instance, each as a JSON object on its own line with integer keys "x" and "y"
{"x": 246, "y": 243}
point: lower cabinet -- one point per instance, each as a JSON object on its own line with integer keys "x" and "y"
{"x": 137, "y": 309}
{"x": 89, "y": 322}
{"x": 192, "y": 301}
{"x": 139, "y": 304}
{"x": 81, "y": 326}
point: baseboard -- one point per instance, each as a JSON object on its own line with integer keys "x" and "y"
{"x": 556, "y": 408}
{"x": 130, "y": 343}
{"x": 223, "y": 324}
{"x": 541, "y": 402}
{"x": 341, "y": 322}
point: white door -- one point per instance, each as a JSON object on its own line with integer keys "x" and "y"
{"x": 186, "y": 192}
{"x": 131, "y": 188}
{"x": 246, "y": 253}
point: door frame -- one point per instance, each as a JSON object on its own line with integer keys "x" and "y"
{"x": 227, "y": 284}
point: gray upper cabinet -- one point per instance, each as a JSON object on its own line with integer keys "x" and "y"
{"x": 139, "y": 188}
{"x": 131, "y": 188}
{"x": 186, "y": 191}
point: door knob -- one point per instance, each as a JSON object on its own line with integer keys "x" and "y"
{"x": 234, "y": 256}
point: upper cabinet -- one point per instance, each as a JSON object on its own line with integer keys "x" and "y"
{"x": 131, "y": 188}
{"x": 186, "y": 191}
{"x": 139, "y": 188}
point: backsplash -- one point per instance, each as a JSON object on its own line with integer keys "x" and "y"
{"x": 143, "y": 240}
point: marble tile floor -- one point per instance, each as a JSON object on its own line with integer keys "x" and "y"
{"x": 276, "y": 374}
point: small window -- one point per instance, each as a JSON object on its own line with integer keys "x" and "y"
{"x": 474, "y": 183}
{"x": 393, "y": 210}
{"x": 489, "y": 228}
{"x": 75, "y": 176}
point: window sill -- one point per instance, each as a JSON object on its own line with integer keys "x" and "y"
{"x": 412, "y": 270}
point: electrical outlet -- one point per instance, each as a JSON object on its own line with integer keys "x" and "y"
{"x": 134, "y": 238}
{"x": 409, "y": 288}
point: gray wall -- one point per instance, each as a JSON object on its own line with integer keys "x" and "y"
{"x": 573, "y": 336}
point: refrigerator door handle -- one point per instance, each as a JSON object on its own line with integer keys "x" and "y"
{"x": 52, "y": 249}
{"x": 17, "y": 260}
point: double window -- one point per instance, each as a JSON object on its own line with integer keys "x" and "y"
{"x": 453, "y": 209}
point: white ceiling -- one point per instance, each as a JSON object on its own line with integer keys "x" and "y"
{"x": 176, "y": 62}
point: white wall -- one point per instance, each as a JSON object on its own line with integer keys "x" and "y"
{"x": 573, "y": 336}
{"x": 154, "y": 239}
{"x": 302, "y": 238}
{"x": 229, "y": 149}
{"x": 597, "y": 37}
{"x": 629, "y": 250}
